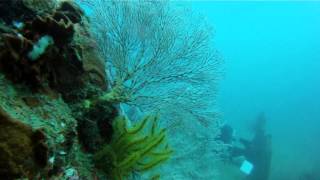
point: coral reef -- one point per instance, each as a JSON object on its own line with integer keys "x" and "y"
{"x": 56, "y": 25}
{"x": 46, "y": 112}
{"x": 72, "y": 11}
{"x": 133, "y": 149}
{"x": 23, "y": 152}
{"x": 12, "y": 59}
{"x": 68, "y": 65}
{"x": 60, "y": 65}
{"x": 48, "y": 64}
{"x": 95, "y": 126}
{"x": 39, "y": 6}
{"x": 15, "y": 10}
{"x": 14, "y": 62}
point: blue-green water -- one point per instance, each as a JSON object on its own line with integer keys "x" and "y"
{"x": 272, "y": 65}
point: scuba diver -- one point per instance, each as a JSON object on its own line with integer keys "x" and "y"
{"x": 226, "y": 134}
{"x": 257, "y": 151}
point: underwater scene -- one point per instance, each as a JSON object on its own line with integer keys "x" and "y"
{"x": 152, "y": 89}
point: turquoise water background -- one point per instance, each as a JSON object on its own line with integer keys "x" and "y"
{"x": 271, "y": 56}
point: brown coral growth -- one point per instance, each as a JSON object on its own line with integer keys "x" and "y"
{"x": 59, "y": 66}
{"x": 14, "y": 62}
{"x": 71, "y": 10}
{"x": 67, "y": 65}
{"x": 23, "y": 152}
{"x": 56, "y": 25}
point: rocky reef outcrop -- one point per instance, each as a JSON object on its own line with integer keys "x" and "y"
{"x": 48, "y": 66}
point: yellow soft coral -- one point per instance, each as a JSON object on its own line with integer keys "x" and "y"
{"x": 133, "y": 149}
